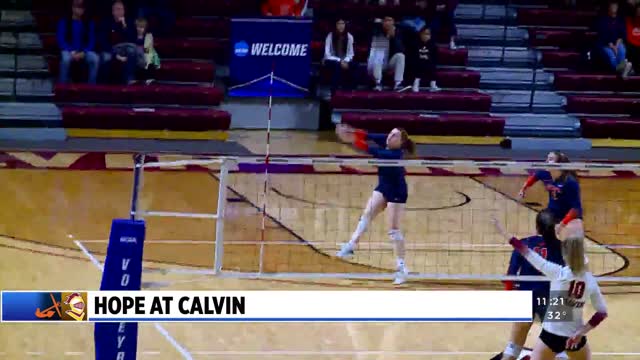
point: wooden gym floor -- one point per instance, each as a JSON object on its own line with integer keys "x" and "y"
{"x": 446, "y": 225}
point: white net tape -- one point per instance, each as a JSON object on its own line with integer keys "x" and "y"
{"x": 314, "y": 204}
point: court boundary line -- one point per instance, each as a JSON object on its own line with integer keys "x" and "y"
{"x": 176, "y": 345}
{"x": 406, "y": 353}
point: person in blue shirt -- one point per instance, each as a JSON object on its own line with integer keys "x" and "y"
{"x": 391, "y": 192}
{"x": 563, "y": 188}
{"x": 76, "y": 40}
{"x": 547, "y": 245}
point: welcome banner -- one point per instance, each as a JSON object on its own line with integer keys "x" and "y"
{"x": 263, "y": 45}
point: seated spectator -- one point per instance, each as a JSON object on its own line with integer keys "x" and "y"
{"x": 76, "y": 39}
{"x": 611, "y": 32}
{"x": 283, "y": 7}
{"x": 423, "y": 60}
{"x": 633, "y": 39}
{"x": 147, "y": 58}
{"x": 338, "y": 53}
{"x": 118, "y": 41}
{"x": 443, "y": 13}
{"x": 387, "y": 54}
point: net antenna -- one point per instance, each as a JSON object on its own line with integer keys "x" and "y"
{"x": 466, "y": 249}
{"x": 265, "y": 188}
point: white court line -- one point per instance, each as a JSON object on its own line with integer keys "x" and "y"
{"x": 74, "y": 353}
{"x": 373, "y": 352}
{"x": 185, "y": 354}
{"x": 364, "y": 245}
{"x": 34, "y": 353}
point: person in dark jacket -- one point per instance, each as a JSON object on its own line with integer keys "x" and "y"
{"x": 387, "y": 54}
{"x": 118, "y": 42}
{"x": 423, "y": 60}
{"x": 338, "y": 54}
{"x": 611, "y": 34}
{"x": 76, "y": 40}
{"x": 443, "y": 13}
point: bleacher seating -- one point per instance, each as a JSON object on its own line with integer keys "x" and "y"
{"x": 422, "y": 124}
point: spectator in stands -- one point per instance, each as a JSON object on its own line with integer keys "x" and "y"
{"x": 423, "y": 60}
{"x": 387, "y": 54}
{"x": 443, "y": 12}
{"x": 118, "y": 41}
{"x": 611, "y": 33}
{"x": 76, "y": 39}
{"x": 283, "y": 7}
{"x": 147, "y": 58}
{"x": 633, "y": 39}
{"x": 338, "y": 53}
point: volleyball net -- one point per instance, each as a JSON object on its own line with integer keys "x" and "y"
{"x": 288, "y": 219}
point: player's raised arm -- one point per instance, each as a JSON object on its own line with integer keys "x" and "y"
{"x": 548, "y": 268}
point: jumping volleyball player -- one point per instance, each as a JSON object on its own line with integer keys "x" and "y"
{"x": 563, "y": 189}
{"x": 575, "y": 283}
{"x": 391, "y": 192}
{"x": 547, "y": 245}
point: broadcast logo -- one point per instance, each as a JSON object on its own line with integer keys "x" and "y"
{"x": 241, "y": 49}
{"x": 44, "y": 306}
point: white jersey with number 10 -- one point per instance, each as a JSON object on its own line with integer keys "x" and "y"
{"x": 576, "y": 287}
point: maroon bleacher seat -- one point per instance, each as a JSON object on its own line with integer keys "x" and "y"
{"x": 567, "y": 39}
{"x": 216, "y": 7}
{"x": 446, "y": 78}
{"x": 138, "y": 94}
{"x": 84, "y": 117}
{"x": 555, "y": 17}
{"x": 197, "y": 48}
{"x": 614, "y": 128}
{"x": 442, "y": 100}
{"x": 417, "y": 124}
{"x": 170, "y": 70}
{"x": 217, "y": 28}
{"x": 595, "y": 82}
{"x": 560, "y": 59}
{"x": 583, "y": 104}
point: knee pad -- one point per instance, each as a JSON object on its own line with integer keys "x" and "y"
{"x": 396, "y": 235}
{"x": 562, "y": 355}
{"x": 513, "y": 350}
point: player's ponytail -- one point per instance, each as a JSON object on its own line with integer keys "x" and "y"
{"x": 573, "y": 253}
{"x": 407, "y": 144}
{"x": 546, "y": 226}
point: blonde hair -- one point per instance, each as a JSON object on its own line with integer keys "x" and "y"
{"x": 573, "y": 253}
{"x": 141, "y": 22}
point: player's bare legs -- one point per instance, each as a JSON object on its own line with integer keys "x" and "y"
{"x": 517, "y": 339}
{"x": 394, "y": 214}
{"x": 542, "y": 352}
{"x": 375, "y": 205}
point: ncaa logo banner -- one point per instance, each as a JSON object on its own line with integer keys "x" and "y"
{"x": 123, "y": 272}
{"x": 260, "y": 46}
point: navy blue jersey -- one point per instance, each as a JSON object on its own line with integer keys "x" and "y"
{"x": 563, "y": 196}
{"x": 387, "y": 175}
{"x": 518, "y": 265}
